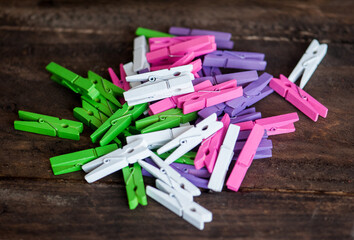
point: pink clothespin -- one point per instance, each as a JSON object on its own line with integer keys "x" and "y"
{"x": 209, "y": 149}
{"x": 298, "y": 97}
{"x": 245, "y": 158}
{"x": 171, "y": 102}
{"x": 209, "y": 96}
{"x": 163, "y": 42}
{"x": 125, "y": 85}
{"x": 273, "y": 125}
{"x": 200, "y": 46}
{"x": 120, "y": 83}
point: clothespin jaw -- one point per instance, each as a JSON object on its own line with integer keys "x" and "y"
{"x": 72, "y": 162}
{"x": 298, "y": 97}
{"x": 72, "y": 81}
{"x": 47, "y": 125}
{"x": 308, "y": 62}
{"x": 177, "y": 203}
{"x": 168, "y": 119}
{"x": 134, "y": 185}
{"x": 187, "y": 158}
{"x": 107, "y": 89}
{"x": 119, "y": 121}
{"x": 191, "y": 138}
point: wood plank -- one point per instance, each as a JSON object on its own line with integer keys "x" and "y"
{"x": 285, "y": 21}
{"x": 67, "y": 210}
{"x": 317, "y": 157}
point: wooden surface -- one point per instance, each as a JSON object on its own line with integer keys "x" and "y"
{"x": 305, "y": 191}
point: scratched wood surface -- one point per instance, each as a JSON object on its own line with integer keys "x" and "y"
{"x": 305, "y": 191}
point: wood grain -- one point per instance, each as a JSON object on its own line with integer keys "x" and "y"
{"x": 305, "y": 191}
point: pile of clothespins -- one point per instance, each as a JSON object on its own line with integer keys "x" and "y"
{"x": 173, "y": 113}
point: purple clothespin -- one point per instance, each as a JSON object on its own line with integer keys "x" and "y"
{"x": 249, "y": 114}
{"x": 211, "y": 71}
{"x": 233, "y": 59}
{"x": 243, "y": 135}
{"x": 265, "y": 144}
{"x": 254, "y": 92}
{"x": 222, "y": 39}
{"x": 259, "y": 154}
{"x": 242, "y": 78}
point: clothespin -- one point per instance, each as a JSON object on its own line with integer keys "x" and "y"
{"x": 169, "y": 103}
{"x": 217, "y": 179}
{"x": 168, "y": 119}
{"x": 47, "y": 125}
{"x": 179, "y": 204}
{"x": 222, "y": 39}
{"x": 158, "y": 138}
{"x": 245, "y": 158}
{"x": 116, "y": 160}
{"x": 123, "y": 75}
{"x": 234, "y": 59}
{"x": 163, "y": 42}
{"x": 116, "y": 123}
{"x": 120, "y": 83}
{"x": 273, "y": 125}
{"x": 149, "y": 33}
{"x": 209, "y": 149}
{"x": 161, "y": 84}
{"x": 254, "y": 92}
{"x": 308, "y": 62}
{"x": 242, "y": 78}
{"x": 191, "y": 138}
{"x": 249, "y": 114}
{"x": 298, "y": 97}
{"x": 209, "y": 96}
{"x": 72, "y": 81}
{"x": 200, "y": 46}
{"x": 134, "y": 185}
{"x": 212, "y": 71}
{"x": 72, "y": 162}
{"x": 139, "y": 55}
{"x": 167, "y": 174}
{"x": 264, "y": 144}
{"x": 258, "y": 155}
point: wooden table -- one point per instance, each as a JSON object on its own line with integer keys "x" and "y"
{"x": 305, "y": 191}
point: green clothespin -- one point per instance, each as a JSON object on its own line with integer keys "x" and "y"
{"x": 119, "y": 121}
{"x": 106, "y": 88}
{"x": 47, "y": 125}
{"x": 149, "y": 33}
{"x": 187, "y": 158}
{"x": 72, "y": 162}
{"x": 167, "y": 119}
{"x": 71, "y": 80}
{"x": 134, "y": 185}
{"x": 90, "y": 115}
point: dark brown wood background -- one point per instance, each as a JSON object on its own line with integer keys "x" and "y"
{"x": 305, "y": 191}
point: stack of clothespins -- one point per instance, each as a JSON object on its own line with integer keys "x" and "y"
{"x": 173, "y": 113}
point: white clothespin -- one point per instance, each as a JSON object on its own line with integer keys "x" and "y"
{"x": 159, "y": 138}
{"x": 160, "y": 84}
{"x": 191, "y": 211}
{"x": 170, "y": 176}
{"x": 139, "y": 54}
{"x": 223, "y": 161}
{"x": 129, "y": 71}
{"x": 116, "y": 160}
{"x": 308, "y": 62}
{"x": 191, "y": 138}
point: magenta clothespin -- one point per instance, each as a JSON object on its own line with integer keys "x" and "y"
{"x": 209, "y": 96}
{"x": 163, "y": 42}
{"x": 171, "y": 102}
{"x": 124, "y": 83}
{"x": 117, "y": 82}
{"x": 209, "y": 148}
{"x": 237, "y": 60}
{"x": 298, "y": 97}
{"x": 254, "y": 92}
{"x": 245, "y": 158}
{"x": 199, "y": 45}
{"x": 279, "y": 124}
{"x": 222, "y": 39}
